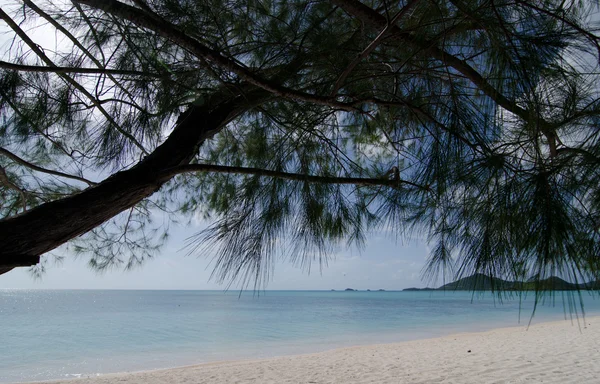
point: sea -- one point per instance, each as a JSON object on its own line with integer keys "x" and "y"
{"x": 62, "y": 334}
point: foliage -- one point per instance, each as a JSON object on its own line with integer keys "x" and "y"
{"x": 479, "y": 118}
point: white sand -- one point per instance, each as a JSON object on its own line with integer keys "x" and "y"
{"x": 556, "y": 352}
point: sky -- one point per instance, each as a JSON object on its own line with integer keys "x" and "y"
{"x": 383, "y": 263}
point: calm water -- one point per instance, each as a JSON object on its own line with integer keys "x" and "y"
{"x": 66, "y": 334}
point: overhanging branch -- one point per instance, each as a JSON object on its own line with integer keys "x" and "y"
{"x": 393, "y": 181}
{"x": 35, "y": 232}
{"x": 96, "y": 71}
{"x": 4, "y": 180}
{"x": 342, "y": 78}
{"x": 26, "y": 163}
{"x": 374, "y": 19}
{"x": 162, "y": 27}
{"x": 13, "y": 261}
{"x": 40, "y": 53}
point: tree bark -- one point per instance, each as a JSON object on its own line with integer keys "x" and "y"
{"x": 25, "y": 237}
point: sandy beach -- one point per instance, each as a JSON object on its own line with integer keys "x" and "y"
{"x": 554, "y": 352}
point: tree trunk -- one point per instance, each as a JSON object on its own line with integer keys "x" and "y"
{"x": 25, "y": 237}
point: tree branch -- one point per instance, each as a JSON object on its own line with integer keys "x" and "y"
{"x": 389, "y": 182}
{"x": 21, "y": 161}
{"x": 46, "y": 136}
{"x": 9, "y": 184}
{"x": 38, "y": 51}
{"x": 13, "y": 261}
{"x": 340, "y": 81}
{"x": 370, "y": 17}
{"x": 99, "y": 71}
{"x": 588, "y": 35}
{"x": 81, "y": 212}
{"x": 421, "y": 113}
{"x": 154, "y": 23}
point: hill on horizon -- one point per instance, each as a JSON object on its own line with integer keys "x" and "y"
{"x": 483, "y": 282}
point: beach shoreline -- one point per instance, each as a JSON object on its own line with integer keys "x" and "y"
{"x": 550, "y": 352}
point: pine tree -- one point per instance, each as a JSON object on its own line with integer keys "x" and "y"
{"x": 296, "y": 125}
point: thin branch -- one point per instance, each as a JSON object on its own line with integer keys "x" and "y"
{"x": 101, "y": 71}
{"x": 77, "y": 43}
{"x": 142, "y": 4}
{"x": 6, "y": 181}
{"x": 55, "y": 143}
{"x": 389, "y": 182}
{"x": 38, "y": 51}
{"x": 21, "y": 161}
{"x": 370, "y": 17}
{"x": 588, "y": 35}
{"x": 420, "y": 112}
{"x": 340, "y": 81}
{"x": 154, "y": 23}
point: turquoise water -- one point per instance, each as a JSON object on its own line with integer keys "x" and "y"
{"x": 65, "y": 334}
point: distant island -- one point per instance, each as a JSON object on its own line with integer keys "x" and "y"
{"x": 482, "y": 282}
{"x": 368, "y": 290}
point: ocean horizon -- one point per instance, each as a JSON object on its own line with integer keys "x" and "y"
{"x": 59, "y": 334}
